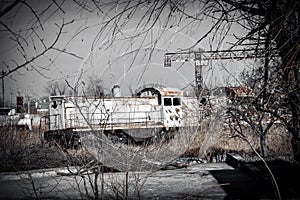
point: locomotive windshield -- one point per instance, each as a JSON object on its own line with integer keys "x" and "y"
{"x": 167, "y": 102}
{"x": 176, "y": 101}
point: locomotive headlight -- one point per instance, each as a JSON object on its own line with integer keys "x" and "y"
{"x": 178, "y": 113}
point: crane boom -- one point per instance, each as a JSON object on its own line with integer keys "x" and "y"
{"x": 201, "y": 58}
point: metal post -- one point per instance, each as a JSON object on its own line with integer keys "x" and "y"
{"x": 28, "y": 105}
{"x": 198, "y": 73}
{"x": 3, "y": 89}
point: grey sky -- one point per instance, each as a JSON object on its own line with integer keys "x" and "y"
{"x": 117, "y": 54}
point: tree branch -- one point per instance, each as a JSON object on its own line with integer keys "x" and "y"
{"x": 39, "y": 55}
{"x": 9, "y": 8}
{"x": 241, "y": 6}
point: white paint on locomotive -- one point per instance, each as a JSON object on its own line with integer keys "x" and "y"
{"x": 151, "y": 108}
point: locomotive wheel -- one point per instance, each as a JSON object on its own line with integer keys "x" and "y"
{"x": 159, "y": 137}
{"x": 119, "y": 136}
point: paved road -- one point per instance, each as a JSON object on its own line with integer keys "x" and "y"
{"x": 253, "y": 180}
{"x": 203, "y": 181}
{"x": 193, "y": 182}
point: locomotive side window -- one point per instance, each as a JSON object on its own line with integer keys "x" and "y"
{"x": 176, "y": 101}
{"x": 167, "y": 102}
{"x": 54, "y": 105}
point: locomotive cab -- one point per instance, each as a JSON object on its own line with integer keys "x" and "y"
{"x": 172, "y": 112}
{"x": 170, "y": 100}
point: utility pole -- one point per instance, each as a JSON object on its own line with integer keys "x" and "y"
{"x": 198, "y": 73}
{"x": 3, "y": 88}
{"x": 11, "y": 104}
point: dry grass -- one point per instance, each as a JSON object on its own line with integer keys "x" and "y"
{"x": 278, "y": 142}
{"x": 24, "y": 150}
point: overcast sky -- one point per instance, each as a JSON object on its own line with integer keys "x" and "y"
{"x": 118, "y": 54}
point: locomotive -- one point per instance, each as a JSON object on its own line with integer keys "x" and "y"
{"x": 152, "y": 113}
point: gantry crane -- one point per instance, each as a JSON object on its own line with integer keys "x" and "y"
{"x": 201, "y": 58}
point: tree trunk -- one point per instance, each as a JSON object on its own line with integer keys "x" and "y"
{"x": 294, "y": 125}
{"x": 286, "y": 33}
{"x": 263, "y": 145}
{"x": 296, "y": 149}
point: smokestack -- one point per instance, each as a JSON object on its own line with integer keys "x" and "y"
{"x": 116, "y": 91}
{"x": 20, "y": 105}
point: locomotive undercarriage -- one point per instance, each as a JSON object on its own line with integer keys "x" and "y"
{"x": 161, "y": 135}
{"x": 69, "y": 138}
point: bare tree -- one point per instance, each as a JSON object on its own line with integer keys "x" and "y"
{"x": 243, "y": 115}
{"x": 56, "y": 88}
{"x": 258, "y": 103}
{"x": 94, "y": 87}
{"x": 274, "y": 24}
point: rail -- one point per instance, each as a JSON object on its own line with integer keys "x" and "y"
{"x": 113, "y": 120}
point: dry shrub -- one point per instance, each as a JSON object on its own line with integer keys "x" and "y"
{"x": 13, "y": 146}
{"x": 278, "y": 142}
{"x": 194, "y": 148}
{"x": 25, "y": 150}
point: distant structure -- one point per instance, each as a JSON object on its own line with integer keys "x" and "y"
{"x": 116, "y": 91}
{"x": 232, "y": 92}
{"x": 42, "y": 108}
{"x": 20, "y": 104}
